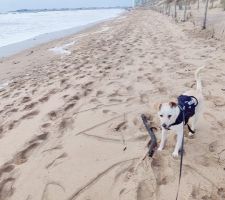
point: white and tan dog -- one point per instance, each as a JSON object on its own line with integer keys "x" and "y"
{"x": 172, "y": 114}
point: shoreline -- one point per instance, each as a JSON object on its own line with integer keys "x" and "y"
{"x": 15, "y": 48}
{"x": 13, "y": 66}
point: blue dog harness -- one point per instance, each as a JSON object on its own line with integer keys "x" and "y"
{"x": 187, "y": 105}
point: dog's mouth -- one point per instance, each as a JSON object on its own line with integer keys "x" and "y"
{"x": 165, "y": 127}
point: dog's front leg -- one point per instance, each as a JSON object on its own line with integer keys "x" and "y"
{"x": 163, "y": 139}
{"x": 180, "y": 133}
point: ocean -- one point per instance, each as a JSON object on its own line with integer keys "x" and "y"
{"x": 20, "y": 26}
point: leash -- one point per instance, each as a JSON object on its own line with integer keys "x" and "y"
{"x": 181, "y": 158}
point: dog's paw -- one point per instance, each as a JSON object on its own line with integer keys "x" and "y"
{"x": 191, "y": 135}
{"x": 160, "y": 149}
{"x": 175, "y": 154}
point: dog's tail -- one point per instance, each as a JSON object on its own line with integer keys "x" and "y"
{"x": 198, "y": 79}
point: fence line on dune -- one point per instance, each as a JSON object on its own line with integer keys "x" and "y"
{"x": 174, "y": 7}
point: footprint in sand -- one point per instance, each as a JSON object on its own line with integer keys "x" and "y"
{"x": 30, "y": 106}
{"x": 45, "y": 125}
{"x": 7, "y": 188}
{"x": 30, "y": 115}
{"x": 16, "y": 94}
{"x": 87, "y": 92}
{"x": 23, "y": 155}
{"x": 6, "y": 185}
{"x": 6, "y": 95}
{"x": 1, "y": 131}
{"x": 43, "y": 99}
{"x": 40, "y": 137}
{"x": 162, "y": 90}
{"x": 13, "y": 124}
{"x": 14, "y": 110}
{"x": 203, "y": 160}
{"x": 74, "y": 98}
{"x": 130, "y": 99}
{"x": 213, "y": 146}
{"x": 209, "y": 117}
{"x": 53, "y": 115}
{"x": 139, "y": 78}
{"x": 69, "y": 107}
{"x": 25, "y": 100}
{"x": 221, "y": 124}
{"x": 34, "y": 91}
{"x": 99, "y": 93}
{"x": 65, "y": 123}
{"x": 218, "y": 101}
{"x": 115, "y": 100}
{"x": 94, "y": 100}
{"x": 144, "y": 98}
{"x": 130, "y": 88}
{"x": 8, "y": 106}
{"x": 105, "y": 111}
{"x": 6, "y": 168}
{"x": 143, "y": 190}
{"x": 221, "y": 192}
{"x": 63, "y": 81}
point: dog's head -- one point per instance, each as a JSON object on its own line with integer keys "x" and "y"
{"x": 167, "y": 113}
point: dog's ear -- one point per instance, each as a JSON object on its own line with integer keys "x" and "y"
{"x": 158, "y": 106}
{"x": 172, "y": 104}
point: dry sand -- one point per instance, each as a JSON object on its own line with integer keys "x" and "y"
{"x": 65, "y": 120}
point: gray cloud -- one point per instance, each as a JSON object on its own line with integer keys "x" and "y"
{"x": 6, "y": 5}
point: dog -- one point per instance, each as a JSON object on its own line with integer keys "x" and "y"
{"x": 173, "y": 116}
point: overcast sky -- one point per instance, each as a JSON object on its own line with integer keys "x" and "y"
{"x": 9, "y": 5}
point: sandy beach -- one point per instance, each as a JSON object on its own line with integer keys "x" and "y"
{"x": 70, "y": 125}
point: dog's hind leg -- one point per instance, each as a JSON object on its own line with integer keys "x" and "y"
{"x": 195, "y": 118}
{"x": 193, "y": 125}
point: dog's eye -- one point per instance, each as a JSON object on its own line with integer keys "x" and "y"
{"x": 161, "y": 115}
{"x": 169, "y": 116}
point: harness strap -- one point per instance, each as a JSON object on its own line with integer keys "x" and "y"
{"x": 179, "y": 119}
{"x": 195, "y": 100}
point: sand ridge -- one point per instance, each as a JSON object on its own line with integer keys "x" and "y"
{"x": 70, "y": 125}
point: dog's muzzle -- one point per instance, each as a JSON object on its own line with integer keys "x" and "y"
{"x": 165, "y": 127}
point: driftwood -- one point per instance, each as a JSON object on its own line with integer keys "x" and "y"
{"x": 153, "y": 142}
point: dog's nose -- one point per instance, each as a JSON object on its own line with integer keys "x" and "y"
{"x": 164, "y": 125}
